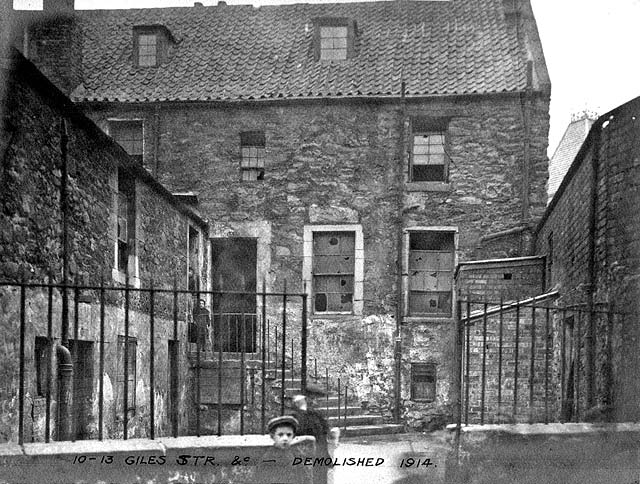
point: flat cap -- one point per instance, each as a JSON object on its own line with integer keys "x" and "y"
{"x": 284, "y": 420}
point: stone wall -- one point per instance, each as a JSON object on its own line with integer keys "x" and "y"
{"x": 37, "y": 119}
{"x": 346, "y": 162}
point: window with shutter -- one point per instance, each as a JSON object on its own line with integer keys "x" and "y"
{"x": 431, "y": 264}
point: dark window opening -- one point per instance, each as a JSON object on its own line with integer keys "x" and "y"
{"x": 333, "y": 271}
{"x": 429, "y": 159}
{"x": 252, "y": 145}
{"x": 132, "y": 348}
{"x": 507, "y": 276}
{"x": 129, "y": 135}
{"x": 41, "y": 357}
{"x": 431, "y": 261}
{"x": 423, "y": 382}
{"x": 126, "y": 233}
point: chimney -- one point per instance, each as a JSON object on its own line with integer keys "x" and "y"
{"x": 54, "y": 41}
{"x": 198, "y": 4}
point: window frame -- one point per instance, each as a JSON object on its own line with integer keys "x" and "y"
{"x": 358, "y": 271}
{"x": 114, "y": 124}
{"x": 125, "y": 186}
{"x": 162, "y": 37}
{"x": 407, "y": 232}
{"x": 426, "y": 126}
{"x": 431, "y": 369}
{"x": 252, "y": 165}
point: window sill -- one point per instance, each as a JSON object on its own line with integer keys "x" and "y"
{"x": 121, "y": 278}
{"x": 427, "y": 319}
{"x": 428, "y": 186}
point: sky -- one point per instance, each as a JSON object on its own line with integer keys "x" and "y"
{"x": 590, "y": 46}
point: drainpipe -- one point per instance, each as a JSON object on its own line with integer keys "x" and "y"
{"x": 591, "y": 288}
{"x": 399, "y": 294}
{"x": 156, "y": 139}
{"x": 65, "y": 365}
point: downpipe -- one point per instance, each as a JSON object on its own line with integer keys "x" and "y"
{"x": 65, "y": 379}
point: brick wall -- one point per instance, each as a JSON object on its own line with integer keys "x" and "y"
{"x": 611, "y": 244}
{"x": 31, "y": 250}
{"x": 506, "y": 280}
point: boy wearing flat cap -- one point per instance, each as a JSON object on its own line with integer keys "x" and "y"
{"x": 277, "y": 462}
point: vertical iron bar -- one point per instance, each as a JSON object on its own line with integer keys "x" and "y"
{"x": 176, "y": 391}
{"x": 576, "y": 371}
{"x": 222, "y": 338}
{"x": 264, "y": 355}
{"x": 125, "y": 420}
{"x": 268, "y": 323}
{"x": 458, "y": 373}
{"x": 74, "y": 383}
{"x": 315, "y": 369}
{"x": 284, "y": 344}
{"x": 346, "y": 393}
{"x": 243, "y": 334}
{"x": 47, "y": 424}
{"x": 293, "y": 369}
{"x": 303, "y": 342}
{"x": 516, "y": 352}
{"x": 101, "y": 380}
{"x": 484, "y": 362}
{"x": 22, "y": 375}
{"x": 326, "y": 371}
{"x": 468, "y": 369}
{"x": 500, "y": 338}
{"x": 546, "y": 367}
{"x": 198, "y": 329}
{"x": 532, "y": 363}
{"x": 152, "y": 357}
{"x": 338, "y": 401}
{"x": 275, "y": 361}
{"x": 563, "y": 362}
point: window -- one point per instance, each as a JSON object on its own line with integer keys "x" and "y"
{"x": 151, "y": 45}
{"x": 126, "y": 222}
{"x": 252, "y": 144}
{"x": 431, "y": 262}
{"x": 333, "y": 271}
{"x": 132, "y": 348}
{"x": 333, "y": 43}
{"x": 129, "y": 135}
{"x": 334, "y": 38}
{"x": 147, "y": 50}
{"x": 423, "y": 382}
{"x": 429, "y": 160}
{"x": 41, "y": 357}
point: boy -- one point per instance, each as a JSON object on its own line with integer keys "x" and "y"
{"x": 277, "y": 462}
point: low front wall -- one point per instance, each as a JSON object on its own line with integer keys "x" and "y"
{"x": 226, "y": 459}
{"x": 554, "y": 453}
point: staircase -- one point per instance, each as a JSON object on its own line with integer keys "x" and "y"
{"x": 352, "y": 419}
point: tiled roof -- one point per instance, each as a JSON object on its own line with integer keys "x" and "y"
{"x": 566, "y": 151}
{"x": 242, "y": 52}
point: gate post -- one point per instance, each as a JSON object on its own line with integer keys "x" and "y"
{"x": 303, "y": 342}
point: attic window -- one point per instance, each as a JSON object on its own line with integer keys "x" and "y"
{"x": 334, "y": 38}
{"x": 150, "y": 45}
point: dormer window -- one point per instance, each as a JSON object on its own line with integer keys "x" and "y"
{"x": 334, "y": 38}
{"x": 150, "y": 45}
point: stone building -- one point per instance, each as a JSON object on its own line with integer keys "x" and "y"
{"x": 355, "y": 151}
{"x": 77, "y": 208}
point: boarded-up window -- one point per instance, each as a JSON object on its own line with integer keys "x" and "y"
{"x": 431, "y": 259}
{"x": 128, "y": 134}
{"x": 333, "y": 271}
{"x": 126, "y": 219}
{"x": 423, "y": 381}
{"x": 252, "y": 145}
{"x": 132, "y": 349}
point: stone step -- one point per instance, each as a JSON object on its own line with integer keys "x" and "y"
{"x": 355, "y": 420}
{"x": 361, "y": 430}
{"x": 334, "y": 411}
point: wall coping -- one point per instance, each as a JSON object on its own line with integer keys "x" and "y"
{"x": 548, "y": 429}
